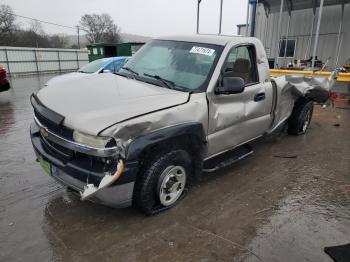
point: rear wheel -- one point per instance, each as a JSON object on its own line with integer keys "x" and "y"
{"x": 301, "y": 117}
{"x": 162, "y": 181}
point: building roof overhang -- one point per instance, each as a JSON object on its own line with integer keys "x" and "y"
{"x": 273, "y": 6}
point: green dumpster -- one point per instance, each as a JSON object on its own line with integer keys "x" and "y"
{"x": 102, "y": 50}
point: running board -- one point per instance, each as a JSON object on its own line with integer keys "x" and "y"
{"x": 227, "y": 159}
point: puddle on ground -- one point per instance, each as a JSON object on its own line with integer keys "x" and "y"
{"x": 299, "y": 230}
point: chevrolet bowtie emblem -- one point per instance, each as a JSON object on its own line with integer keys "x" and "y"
{"x": 44, "y": 132}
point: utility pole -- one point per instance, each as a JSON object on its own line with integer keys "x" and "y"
{"x": 198, "y": 5}
{"x": 278, "y": 34}
{"x": 220, "y": 17}
{"x": 317, "y": 34}
{"x": 247, "y": 19}
{"x": 78, "y": 30}
{"x": 339, "y": 41}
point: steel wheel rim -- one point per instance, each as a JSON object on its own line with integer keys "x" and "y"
{"x": 307, "y": 121}
{"x": 172, "y": 184}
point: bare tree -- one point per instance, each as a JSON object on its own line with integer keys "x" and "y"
{"x": 58, "y": 41}
{"x": 36, "y": 27}
{"x": 7, "y": 24}
{"x": 100, "y": 28}
{"x": 12, "y": 34}
{"x": 36, "y": 33}
{"x": 7, "y": 19}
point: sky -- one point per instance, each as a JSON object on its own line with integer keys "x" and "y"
{"x": 141, "y": 17}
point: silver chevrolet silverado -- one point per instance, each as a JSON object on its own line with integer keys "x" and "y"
{"x": 181, "y": 107}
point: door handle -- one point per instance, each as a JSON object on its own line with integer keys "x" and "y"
{"x": 259, "y": 97}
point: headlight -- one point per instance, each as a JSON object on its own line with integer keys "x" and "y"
{"x": 93, "y": 141}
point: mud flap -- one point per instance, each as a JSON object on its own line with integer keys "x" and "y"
{"x": 107, "y": 180}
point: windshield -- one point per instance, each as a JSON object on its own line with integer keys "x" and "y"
{"x": 94, "y": 66}
{"x": 188, "y": 65}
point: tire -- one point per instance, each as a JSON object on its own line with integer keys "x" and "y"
{"x": 167, "y": 174}
{"x": 300, "y": 119}
{"x": 5, "y": 87}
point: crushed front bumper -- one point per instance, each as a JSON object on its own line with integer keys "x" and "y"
{"x": 76, "y": 174}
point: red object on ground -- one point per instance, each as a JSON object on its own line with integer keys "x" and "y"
{"x": 333, "y": 95}
{"x": 4, "y": 83}
{"x": 339, "y": 98}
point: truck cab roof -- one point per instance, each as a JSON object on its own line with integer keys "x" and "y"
{"x": 208, "y": 38}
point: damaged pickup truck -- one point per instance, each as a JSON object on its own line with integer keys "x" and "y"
{"x": 182, "y": 105}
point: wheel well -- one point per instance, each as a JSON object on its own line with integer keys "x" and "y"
{"x": 302, "y": 101}
{"x": 189, "y": 142}
{"x": 298, "y": 104}
{"x": 294, "y": 120}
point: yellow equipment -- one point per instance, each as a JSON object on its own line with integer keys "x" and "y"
{"x": 347, "y": 65}
{"x": 343, "y": 77}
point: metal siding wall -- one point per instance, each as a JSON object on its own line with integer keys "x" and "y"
{"x": 47, "y": 56}
{"x": 20, "y": 55}
{"x": 345, "y": 50}
{"x": 67, "y": 65}
{"x": 36, "y": 60}
{"x": 300, "y": 30}
{"x": 48, "y": 66}
{"x": 68, "y": 55}
{"x": 3, "y": 59}
{"x": 2, "y": 55}
{"x": 83, "y": 56}
{"x": 82, "y": 63}
{"x": 22, "y": 67}
{"x": 274, "y": 37}
{"x": 260, "y": 23}
{"x": 301, "y": 46}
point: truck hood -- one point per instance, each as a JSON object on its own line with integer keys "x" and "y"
{"x": 65, "y": 77}
{"x": 93, "y": 103}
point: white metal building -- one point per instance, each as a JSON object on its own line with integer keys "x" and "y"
{"x": 297, "y": 21}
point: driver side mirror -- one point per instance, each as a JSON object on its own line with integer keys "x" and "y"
{"x": 231, "y": 85}
{"x": 106, "y": 71}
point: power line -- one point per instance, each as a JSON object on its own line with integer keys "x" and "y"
{"x": 41, "y": 21}
{"x": 50, "y": 23}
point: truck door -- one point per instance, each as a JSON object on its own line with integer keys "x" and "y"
{"x": 238, "y": 118}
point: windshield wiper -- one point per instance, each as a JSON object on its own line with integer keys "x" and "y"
{"x": 167, "y": 83}
{"x": 122, "y": 74}
{"x": 130, "y": 70}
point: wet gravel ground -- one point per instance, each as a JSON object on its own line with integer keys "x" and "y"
{"x": 284, "y": 203}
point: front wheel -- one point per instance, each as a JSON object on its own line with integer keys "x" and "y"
{"x": 162, "y": 181}
{"x": 300, "y": 119}
{"x": 171, "y": 184}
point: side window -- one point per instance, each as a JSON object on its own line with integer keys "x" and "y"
{"x": 241, "y": 62}
{"x": 289, "y": 50}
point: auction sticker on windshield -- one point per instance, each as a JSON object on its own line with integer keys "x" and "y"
{"x": 202, "y": 50}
